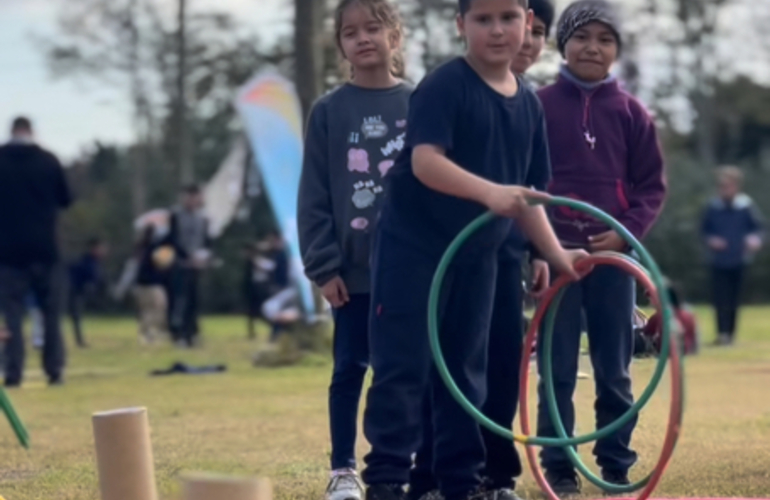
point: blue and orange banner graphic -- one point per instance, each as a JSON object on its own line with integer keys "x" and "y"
{"x": 271, "y": 111}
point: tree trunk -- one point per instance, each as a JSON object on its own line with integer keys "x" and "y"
{"x": 309, "y": 51}
{"x": 186, "y": 173}
{"x": 137, "y": 154}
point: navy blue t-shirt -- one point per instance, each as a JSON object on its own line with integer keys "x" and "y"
{"x": 501, "y": 139}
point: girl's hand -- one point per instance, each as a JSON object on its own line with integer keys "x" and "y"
{"x": 607, "y": 242}
{"x": 566, "y": 260}
{"x": 336, "y": 292}
{"x": 511, "y": 201}
{"x": 541, "y": 278}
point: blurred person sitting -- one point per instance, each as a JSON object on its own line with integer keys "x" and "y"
{"x": 732, "y": 230}
{"x": 85, "y": 278}
{"x": 33, "y": 189}
{"x": 282, "y": 308}
{"x": 257, "y": 282}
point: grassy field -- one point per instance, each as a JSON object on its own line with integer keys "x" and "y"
{"x": 273, "y": 422}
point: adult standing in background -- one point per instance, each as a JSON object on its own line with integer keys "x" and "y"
{"x": 731, "y": 228}
{"x": 33, "y": 189}
{"x": 189, "y": 237}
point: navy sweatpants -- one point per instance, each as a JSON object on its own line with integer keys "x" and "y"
{"x": 351, "y": 359}
{"x": 402, "y": 366}
{"x": 503, "y": 464}
{"x": 607, "y": 296}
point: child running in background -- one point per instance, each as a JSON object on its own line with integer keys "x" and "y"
{"x": 354, "y": 135}
{"x": 475, "y": 138}
{"x": 604, "y": 150}
{"x": 85, "y": 276}
{"x": 503, "y": 464}
{"x": 155, "y": 258}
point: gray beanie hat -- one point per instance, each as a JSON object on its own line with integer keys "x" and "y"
{"x": 583, "y": 12}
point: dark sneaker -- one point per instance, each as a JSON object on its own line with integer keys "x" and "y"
{"x": 499, "y": 490}
{"x": 619, "y": 478}
{"x": 385, "y": 492}
{"x": 498, "y": 494}
{"x": 481, "y": 494}
{"x": 504, "y": 494}
{"x": 563, "y": 482}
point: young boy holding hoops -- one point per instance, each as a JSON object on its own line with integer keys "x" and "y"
{"x": 503, "y": 464}
{"x": 475, "y": 137}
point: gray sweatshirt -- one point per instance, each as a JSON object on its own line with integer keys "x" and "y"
{"x": 353, "y": 137}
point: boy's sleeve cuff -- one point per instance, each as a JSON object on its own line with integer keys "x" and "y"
{"x": 321, "y": 280}
{"x": 638, "y": 230}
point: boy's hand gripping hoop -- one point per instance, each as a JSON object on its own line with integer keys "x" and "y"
{"x": 650, "y": 276}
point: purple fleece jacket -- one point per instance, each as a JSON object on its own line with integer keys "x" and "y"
{"x": 604, "y": 151}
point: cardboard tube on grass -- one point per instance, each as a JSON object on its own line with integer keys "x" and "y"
{"x": 202, "y": 486}
{"x": 124, "y": 455}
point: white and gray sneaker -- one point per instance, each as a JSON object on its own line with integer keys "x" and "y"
{"x": 344, "y": 484}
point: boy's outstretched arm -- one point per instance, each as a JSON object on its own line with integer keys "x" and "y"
{"x": 435, "y": 170}
{"x": 439, "y": 173}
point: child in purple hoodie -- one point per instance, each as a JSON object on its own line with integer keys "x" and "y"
{"x": 604, "y": 151}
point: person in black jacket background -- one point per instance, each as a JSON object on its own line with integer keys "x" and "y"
{"x": 33, "y": 189}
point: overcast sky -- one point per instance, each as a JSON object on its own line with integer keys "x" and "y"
{"x": 70, "y": 115}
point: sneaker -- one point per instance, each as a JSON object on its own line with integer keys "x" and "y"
{"x": 432, "y": 495}
{"x": 503, "y": 494}
{"x": 563, "y": 482}
{"x": 483, "y": 494}
{"x": 619, "y": 478}
{"x": 499, "y": 490}
{"x": 344, "y": 485}
{"x": 385, "y": 492}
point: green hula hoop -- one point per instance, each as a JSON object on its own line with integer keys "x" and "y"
{"x": 433, "y": 330}
{"x": 553, "y": 409}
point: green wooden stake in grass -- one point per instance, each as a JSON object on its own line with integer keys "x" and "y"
{"x": 13, "y": 418}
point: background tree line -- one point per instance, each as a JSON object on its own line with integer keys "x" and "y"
{"x": 693, "y": 63}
